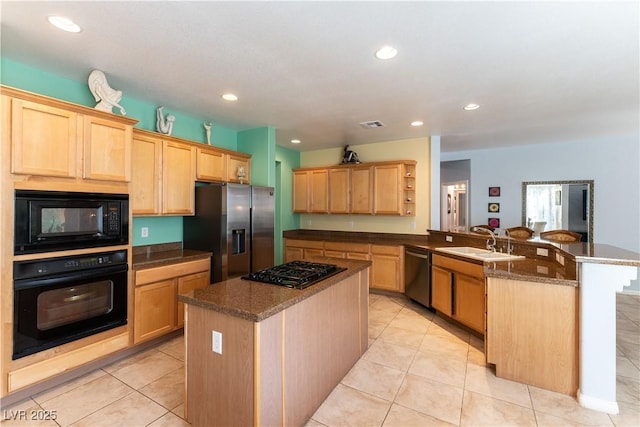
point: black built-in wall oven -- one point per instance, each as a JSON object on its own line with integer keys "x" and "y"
{"x": 62, "y": 298}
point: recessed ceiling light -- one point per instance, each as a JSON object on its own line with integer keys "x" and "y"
{"x": 229, "y": 97}
{"x": 386, "y": 52}
{"x": 64, "y": 24}
{"x": 295, "y": 141}
{"x": 470, "y": 107}
{"x": 417, "y": 123}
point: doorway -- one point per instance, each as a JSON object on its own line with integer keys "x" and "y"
{"x": 454, "y": 206}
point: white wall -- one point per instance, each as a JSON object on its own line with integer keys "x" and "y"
{"x": 417, "y": 149}
{"x": 612, "y": 163}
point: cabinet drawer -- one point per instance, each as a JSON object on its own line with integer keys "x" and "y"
{"x": 464, "y": 267}
{"x": 387, "y": 250}
{"x": 156, "y": 274}
{"x": 313, "y": 244}
{"x": 347, "y": 247}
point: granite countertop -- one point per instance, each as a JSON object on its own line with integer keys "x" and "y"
{"x": 255, "y": 301}
{"x": 164, "y": 254}
{"x": 528, "y": 269}
{"x": 599, "y": 253}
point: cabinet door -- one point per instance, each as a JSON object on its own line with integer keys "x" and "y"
{"x": 178, "y": 177}
{"x": 387, "y": 268}
{"x": 319, "y": 191}
{"x": 469, "y": 301}
{"x": 107, "y": 150}
{"x": 441, "y": 287}
{"x": 186, "y": 284}
{"x": 43, "y": 140}
{"x": 387, "y": 190}
{"x": 154, "y": 310}
{"x": 339, "y": 190}
{"x": 361, "y": 190}
{"x": 145, "y": 176}
{"x": 236, "y": 166}
{"x": 210, "y": 165}
{"x": 301, "y": 196}
{"x": 311, "y": 253}
{"x": 293, "y": 254}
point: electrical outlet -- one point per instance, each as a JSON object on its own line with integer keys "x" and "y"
{"x": 542, "y": 251}
{"x": 449, "y": 238}
{"x": 216, "y": 342}
{"x": 144, "y": 232}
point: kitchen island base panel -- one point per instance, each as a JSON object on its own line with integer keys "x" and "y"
{"x": 532, "y": 333}
{"x": 277, "y": 371}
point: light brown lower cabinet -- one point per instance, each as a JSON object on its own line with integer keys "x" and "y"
{"x": 458, "y": 290}
{"x": 387, "y": 267}
{"x": 387, "y": 261}
{"x": 302, "y": 249}
{"x": 532, "y": 333}
{"x": 157, "y": 310}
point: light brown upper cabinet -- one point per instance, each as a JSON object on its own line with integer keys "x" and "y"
{"x": 361, "y": 190}
{"x": 339, "y": 190}
{"x": 211, "y": 164}
{"x": 145, "y": 182}
{"x": 382, "y": 188}
{"x": 164, "y": 176}
{"x": 54, "y": 138}
{"x": 107, "y": 150}
{"x": 178, "y": 178}
{"x": 311, "y": 191}
{"x": 301, "y": 195}
{"x": 394, "y": 189}
{"x": 237, "y": 165}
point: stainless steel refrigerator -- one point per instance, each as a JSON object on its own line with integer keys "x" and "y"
{"x": 236, "y": 223}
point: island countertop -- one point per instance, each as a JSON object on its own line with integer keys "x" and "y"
{"x": 257, "y": 301}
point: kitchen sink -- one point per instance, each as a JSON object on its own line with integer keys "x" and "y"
{"x": 479, "y": 254}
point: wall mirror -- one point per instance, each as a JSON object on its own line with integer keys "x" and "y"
{"x": 552, "y": 205}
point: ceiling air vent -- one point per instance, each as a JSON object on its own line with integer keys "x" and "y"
{"x": 372, "y": 124}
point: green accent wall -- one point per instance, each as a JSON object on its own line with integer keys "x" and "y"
{"x": 261, "y": 144}
{"x": 270, "y": 165}
{"x": 286, "y": 161}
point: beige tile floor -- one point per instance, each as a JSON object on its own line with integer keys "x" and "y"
{"x": 418, "y": 371}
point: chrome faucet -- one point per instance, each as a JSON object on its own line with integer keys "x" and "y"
{"x": 509, "y": 246}
{"x": 491, "y": 246}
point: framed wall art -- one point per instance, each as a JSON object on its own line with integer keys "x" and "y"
{"x": 494, "y": 191}
{"x": 494, "y": 222}
{"x": 494, "y": 207}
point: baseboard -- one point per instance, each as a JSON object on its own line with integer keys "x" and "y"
{"x": 596, "y": 404}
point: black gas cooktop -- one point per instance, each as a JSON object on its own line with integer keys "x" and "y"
{"x": 295, "y": 274}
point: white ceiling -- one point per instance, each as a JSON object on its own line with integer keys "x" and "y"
{"x": 542, "y": 71}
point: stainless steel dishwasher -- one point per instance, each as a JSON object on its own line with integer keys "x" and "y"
{"x": 417, "y": 274}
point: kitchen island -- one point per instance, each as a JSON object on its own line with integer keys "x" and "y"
{"x": 279, "y": 352}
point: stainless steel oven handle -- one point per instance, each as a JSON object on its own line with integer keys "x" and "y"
{"x": 417, "y": 255}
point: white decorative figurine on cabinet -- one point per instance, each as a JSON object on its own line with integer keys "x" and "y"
{"x": 207, "y": 127}
{"x": 164, "y": 125}
{"x": 105, "y": 95}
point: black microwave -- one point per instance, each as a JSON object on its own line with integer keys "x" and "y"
{"x": 48, "y": 221}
